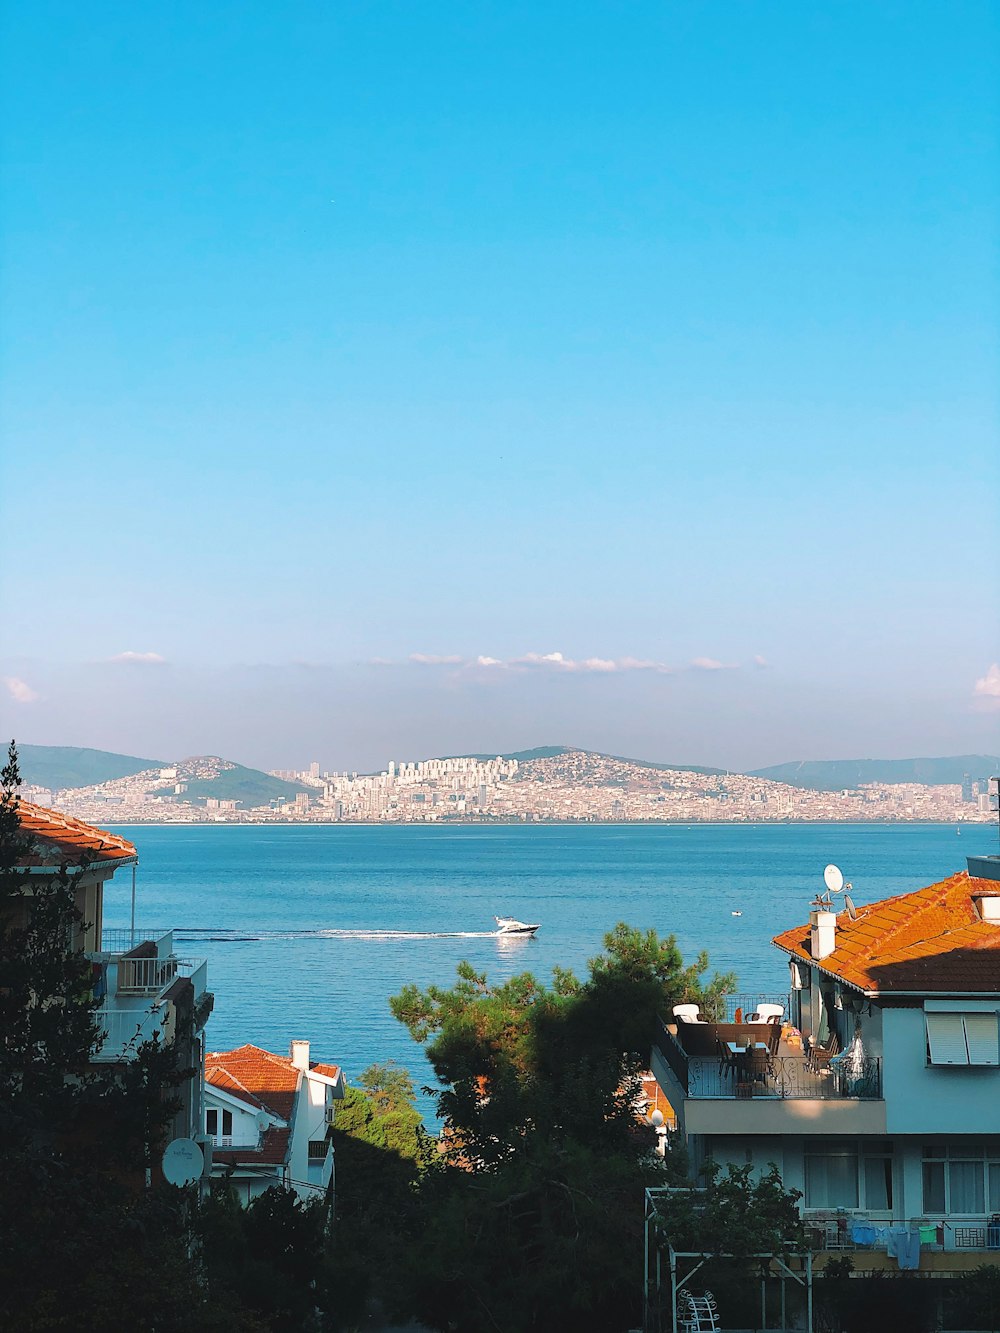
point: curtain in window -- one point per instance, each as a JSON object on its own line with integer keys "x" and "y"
{"x": 878, "y": 1184}
{"x": 934, "y": 1187}
{"x": 965, "y": 1180}
{"x": 831, "y": 1182}
{"x": 994, "y": 1173}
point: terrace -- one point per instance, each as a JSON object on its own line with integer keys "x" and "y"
{"x": 738, "y": 1059}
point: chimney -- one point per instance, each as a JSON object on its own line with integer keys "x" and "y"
{"x": 988, "y": 907}
{"x": 299, "y": 1054}
{"x": 822, "y": 933}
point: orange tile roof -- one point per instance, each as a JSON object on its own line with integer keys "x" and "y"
{"x": 329, "y": 1071}
{"x": 59, "y": 839}
{"x": 270, "y": 1080}
{"x": 932, "y": 941}
{"x": 273, "y": 1150}
{"x": 267, "y": 1080}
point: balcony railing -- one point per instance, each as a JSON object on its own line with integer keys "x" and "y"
{"x": 125, "y": 1030}
{"x": 784, "y": 1076}
{"x": 859, "y": 1230}
{"x": 121, "y": 939}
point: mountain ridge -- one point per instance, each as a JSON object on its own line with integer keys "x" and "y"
{"x": 62, "y": 767}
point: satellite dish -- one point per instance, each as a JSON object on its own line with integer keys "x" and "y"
{"x": 656, "y": 1119}
{"x": 851, "y": 910}
{"x": 263, "y": 1120}
{"x": 833, "y": 878}
{"x": 183, "y": 1162}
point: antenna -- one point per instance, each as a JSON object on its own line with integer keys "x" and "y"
{"x": 833, "y": 878}
{"x": 183, "y": 1162}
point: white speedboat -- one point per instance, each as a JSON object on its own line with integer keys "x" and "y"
{"x": 508, "y": 925}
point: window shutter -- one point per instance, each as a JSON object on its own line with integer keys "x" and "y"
{"x": 946, "y": 1036}
{"x": 981, "y": 1037}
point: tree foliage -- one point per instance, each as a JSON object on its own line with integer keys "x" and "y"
{"x": 535, "y": 1219}
{"x": 735, "y": 1213}
{"x": 561, "y": 1061}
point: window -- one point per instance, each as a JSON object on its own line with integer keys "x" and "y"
{"x": 212, "y": 1123}
{"x": 962, "y": 1039}
{"x": 961, "y": 1178}
{"x": 846, "y": 1173}
{"x": 318, "y": 1149}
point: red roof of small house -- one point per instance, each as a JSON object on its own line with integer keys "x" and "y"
{"x": 273, "y": 1150}
{"x": 59, "y": 839}
{"x": 933, "y": 941}
{"x": 260, "y": 1077}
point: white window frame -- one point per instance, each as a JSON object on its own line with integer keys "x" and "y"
{"x": 979, "y": 1154}
{"x": 860, "y": 1151}
{"x": 960, "y": 1039}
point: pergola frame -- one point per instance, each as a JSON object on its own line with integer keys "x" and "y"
{"x": 652, "y": 1321}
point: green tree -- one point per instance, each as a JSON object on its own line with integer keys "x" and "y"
{"x": 535, "y": 1220}
{"x": 383, "y": 1152}
{"x": 561, "y": 1061}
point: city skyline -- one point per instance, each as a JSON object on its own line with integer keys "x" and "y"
{"x": 622, "y": 379}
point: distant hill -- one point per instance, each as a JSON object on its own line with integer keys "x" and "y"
{"x": 522, "y": 756}
{"x": 61, "y": 766}
{"x": 665, "y": 768}
{"x": 233, "y": 782}
{"x": 554, "y": 752}
{"x": 846, "y": 774}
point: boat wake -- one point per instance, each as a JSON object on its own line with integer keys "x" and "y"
{"x": 193, "y": 935}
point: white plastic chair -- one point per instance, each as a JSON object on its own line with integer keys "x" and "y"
{"x": 687, "y": 1013}
{"x": 767, "y": 1012}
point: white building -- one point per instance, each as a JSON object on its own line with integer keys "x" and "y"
{"x": 269, "y": 1117}
{"x": 144, "y": 987}
{"x": 885, "y": 1111}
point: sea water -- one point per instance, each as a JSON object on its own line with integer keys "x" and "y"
{"x": 309, "y": 929}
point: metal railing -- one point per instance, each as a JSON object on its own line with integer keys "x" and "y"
{"x": 673, "y": 1053}
{"x": 763, "y": 1075}
{"x": 747, "y": 1001}
{"x": 857, "y": 1229}
{"x": 125, "y": 1030}
{"x": 135, "y": 976}
{"x": 781, "y": 1077}
{"x": 121, "y": 939}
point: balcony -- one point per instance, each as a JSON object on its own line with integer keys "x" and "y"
{"x": 785, "y": 1072}
{"x": 709, "y": 1070}
{"x": 133, "y": 981}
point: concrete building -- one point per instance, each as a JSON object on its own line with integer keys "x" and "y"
{"x": 269, "y": 1118}
{"x": 877, "y": 1091}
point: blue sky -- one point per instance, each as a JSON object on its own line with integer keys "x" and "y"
{"x": 649, "y": 335}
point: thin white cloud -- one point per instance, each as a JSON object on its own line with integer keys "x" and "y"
{"x": 987, "y": 688}
{"x": 557, "y": 663}
{"x": 139, "y": 659}
{"x": 760, "y": 661}
{"x": 20, "y": 691}
{"x": 554, "y": 662}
